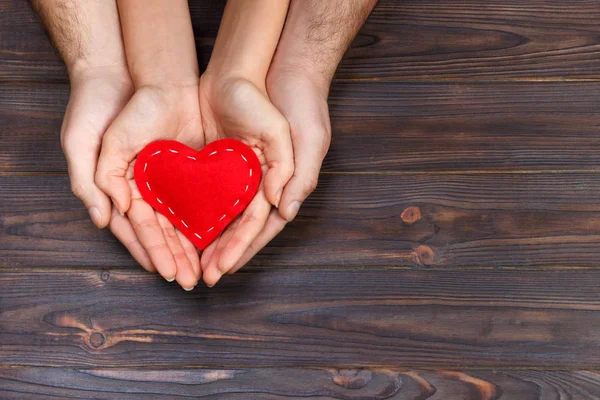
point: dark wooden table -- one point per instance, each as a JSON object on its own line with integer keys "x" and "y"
{"x": 451, "y": 251}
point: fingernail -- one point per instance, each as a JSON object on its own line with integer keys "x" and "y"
{"x": 95, "y": 215}
{"x": 190, "y": 289}
{"x": 170, "y": 279}
{"x": 292, "y": 210}
{"x": 278, "y": 198}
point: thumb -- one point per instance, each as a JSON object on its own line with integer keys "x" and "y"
{"x": 279, "y": 155}
{"x": 81, "y": 160}
{"x": 309, "y": 151}
{"x": 113, "y": 163}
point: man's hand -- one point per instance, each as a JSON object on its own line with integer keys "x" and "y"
{"x": 88, "y": 36}
{"x": 96, "y": 99}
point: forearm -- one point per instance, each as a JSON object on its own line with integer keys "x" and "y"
{"x": 159, "y": 42}
{"x": 87, "y": 34}
{"x": 247, "y": 39}
{"x": 317, "y": 34}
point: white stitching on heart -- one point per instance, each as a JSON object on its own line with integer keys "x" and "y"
{"x": 193, "y": 158}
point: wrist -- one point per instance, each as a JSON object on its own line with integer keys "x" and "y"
{"x": 286, "y": 68}
{"x": 82, "y": 71}
{"x": 220, "y": 73}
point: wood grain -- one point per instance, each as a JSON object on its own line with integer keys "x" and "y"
{"x": 286, "y": 317}
{"x": 466, "y": 220}
{"x": 382, "y": 127}
{"x": 408, "y": 40}
{"x": 288, "y": 383}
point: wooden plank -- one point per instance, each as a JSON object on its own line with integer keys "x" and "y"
{"x": 501, "y": 220}
{"x": 288, "y": 383}
{"x": 413, "y": 39}
{"x": 347, "y": 317}
{"x": 382, "y": 127}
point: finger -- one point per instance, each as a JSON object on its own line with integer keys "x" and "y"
{"x": 192, "y": 254}
{"x": 212, "y": 274}
{"x": 138, "y": 124}
{"x": 149, "y": 233}
{"x": 279, "y": 154}
{"x": 308, "y": 155}
{"x": 112, "y": 166}
{"x": 207, "y": 254}
{"x": 186, "y": 276}
{"x": 273, "y": 227}
{"x": 82, "y": 155}
{"x": 122, "y": 229}
{"x": 243, "y": 234}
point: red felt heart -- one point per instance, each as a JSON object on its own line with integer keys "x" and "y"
{"x": 200, "y": 192}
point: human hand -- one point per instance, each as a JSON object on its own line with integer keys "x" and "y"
{"x": 302, "y": 98}
{"x": 153, "y": 113}
{"x": 97, "y": 96}
{"x": 234, "y": 107}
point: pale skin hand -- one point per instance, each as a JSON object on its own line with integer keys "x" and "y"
{"x": 161, "y": 56}
{"x": 315, "y": 37}
{"x": 88, "y": 36}
{"x": 235, "y": 104}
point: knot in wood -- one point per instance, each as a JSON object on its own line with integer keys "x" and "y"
{"x": 352, "y": 378}
{"x": 105, "y": 276}
{"x": 96, "y": 339}
{"x": 411, "y": 215}
{"x": 423, "y": 255}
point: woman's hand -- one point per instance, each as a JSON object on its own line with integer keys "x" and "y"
{"x": 153, "y": 113}
{"x": 237, "y": 108}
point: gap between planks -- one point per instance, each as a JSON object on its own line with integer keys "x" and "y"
{"x": 586, "y": 369}
{"x": 382, "y": 173}
{"x": 254, "y": 269}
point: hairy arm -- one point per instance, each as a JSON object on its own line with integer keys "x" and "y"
{"x": 317, "y": 34}
{"x": 86, "y": 33}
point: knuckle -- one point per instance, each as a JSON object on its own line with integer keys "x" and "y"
{"x": 248, "y": 219}
{"x": 181, "y": 258}
{"x": 170, "y": 233}
{"x": 157, "y": 247}
{"x": 148, "y": 223}
{"x": 79, "y": 190}
{"x": 308, "y": 185}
